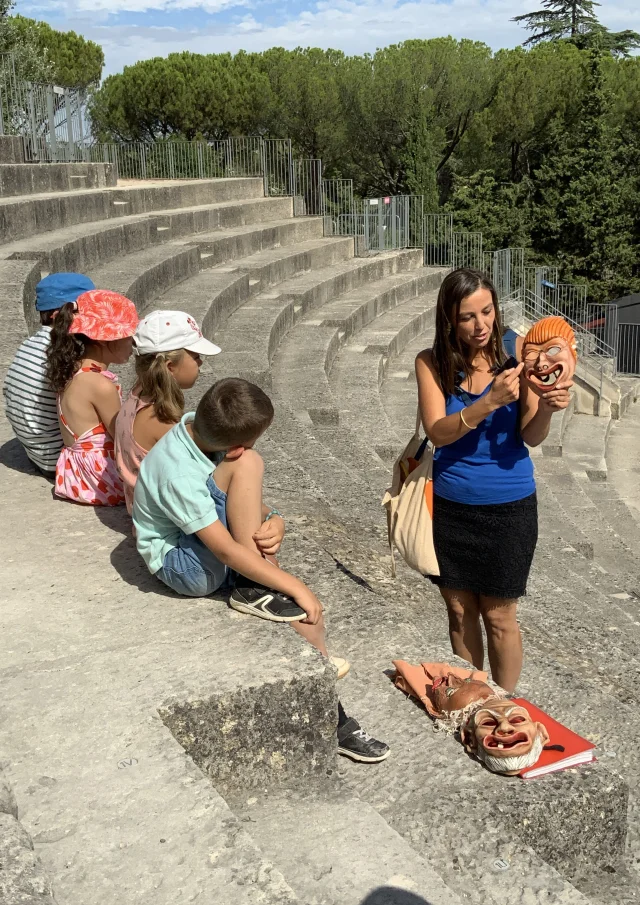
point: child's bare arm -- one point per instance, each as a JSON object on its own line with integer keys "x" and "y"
{"x": 255, "y": 568}
{"x": 106, "y": 401}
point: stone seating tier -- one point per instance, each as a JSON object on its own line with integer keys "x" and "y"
{"x": 141, "y": 729}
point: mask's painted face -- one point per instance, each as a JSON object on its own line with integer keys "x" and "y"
{"x": 504, "y": 737}
{"x": 452, "y": 693}
{"x": 548, "y": 364}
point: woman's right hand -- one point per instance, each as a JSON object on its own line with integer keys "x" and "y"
{"x": 505, "y": 389}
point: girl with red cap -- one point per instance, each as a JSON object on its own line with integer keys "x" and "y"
{"x": 88, "y": 336}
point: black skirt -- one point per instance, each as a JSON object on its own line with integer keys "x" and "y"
{"x": 485, "y": 549}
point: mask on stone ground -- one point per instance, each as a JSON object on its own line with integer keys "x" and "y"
{"x": 549, "y": 353}
{"x": 503, "y": 737}
{"x": 451, "y": 693}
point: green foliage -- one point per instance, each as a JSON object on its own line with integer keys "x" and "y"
{"x": 576, "y": 21}
{"x": 537, "y": 148}
{"x": 74, "y": 61}
{"x": 43, "y": 54}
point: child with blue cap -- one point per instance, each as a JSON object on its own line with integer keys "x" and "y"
{"x": 30, "y": 401}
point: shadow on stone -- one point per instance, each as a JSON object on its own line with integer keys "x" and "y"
{"x": 390, "y": 895}
{"x": 12, "y": 455}
{"x": 127, "y": 562}
{"x": 116, "y": 518}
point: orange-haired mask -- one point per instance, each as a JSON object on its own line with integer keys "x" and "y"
{"x": 549, "y": 354}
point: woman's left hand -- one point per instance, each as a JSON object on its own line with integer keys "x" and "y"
{"x": 555, "y": 400}
{"x": 268, "y": 537}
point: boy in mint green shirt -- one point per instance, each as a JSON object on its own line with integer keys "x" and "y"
{"x": 201, "y": 525}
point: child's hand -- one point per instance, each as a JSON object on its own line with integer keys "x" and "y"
{"x": 268, "y": 537}
{"x": 308, "y": 601}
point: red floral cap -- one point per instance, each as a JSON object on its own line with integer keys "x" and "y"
{"x": 104, "y": 316}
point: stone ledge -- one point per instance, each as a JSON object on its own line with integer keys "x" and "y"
{"x": 22, "y": 877}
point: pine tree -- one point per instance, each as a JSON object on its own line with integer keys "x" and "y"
{"x": 584, "y": 196}
{"x": 576, "y": 21}
{"x": 559, "y": 19}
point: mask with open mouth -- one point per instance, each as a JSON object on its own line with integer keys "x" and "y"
{"x": 549, "y": 353}
{"x": 503, "y": 737}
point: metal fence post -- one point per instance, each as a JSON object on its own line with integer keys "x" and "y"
{"x": 51, "y": 114}
{"x": 67, "y": 107}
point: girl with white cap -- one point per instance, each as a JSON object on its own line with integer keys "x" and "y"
{"x": 167, "y": 347}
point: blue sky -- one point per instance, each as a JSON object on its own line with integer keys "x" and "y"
{"x": 131, "y": 30}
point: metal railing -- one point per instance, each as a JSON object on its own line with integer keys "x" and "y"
{"x": 505, "y": 268}
{"x": 628, "y": 350}
{"x": 438, "y": 232}
{"x": 50, "y": 119}
{"x": 467, "y": 250}
{"x": 307, "y": 188}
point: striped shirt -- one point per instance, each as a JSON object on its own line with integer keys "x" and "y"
{"x": 31, "y": 403}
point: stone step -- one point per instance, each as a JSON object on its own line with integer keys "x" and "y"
{"x": 276, "y": 252}
{"x": 429, "y": 791}
{"x": 36, "y": 178}
{"x": 303, "y": 361}
{"x": 120, "y": 710}
{"x": 78, "y": 247}
{"x": 574, "y": 494}
{"x": 585, "y": 443}
{"x": 144, "y": 275}
{"x": 30, "y": 215}
{"x": 360, "y": 366}
{"x": 553, "y": 445}
{"x": 254, "y": 332}
{"x": 17, "y": 311}
{"x": 623, "y": 462}
{"x": 345, "y": 853}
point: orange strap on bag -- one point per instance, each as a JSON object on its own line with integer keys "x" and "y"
{"x": 409, "y": 505}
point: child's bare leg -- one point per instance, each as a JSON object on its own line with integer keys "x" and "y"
{"x": 314, "y": 634}
{"x": 241, "y": 479}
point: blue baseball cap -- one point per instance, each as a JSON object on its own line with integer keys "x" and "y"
{"x": 59, "y": 288}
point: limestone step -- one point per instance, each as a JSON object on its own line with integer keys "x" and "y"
{"x": 344, "y": 854}
{"x": 257, "y": 259}
{"x": 623, "y": 461}
{"x": 585, "y": 443}
{"x": 303, "y": 361}
{"x": 36, "y": 178}
{"x": 17, "y": 311}
{"x": 360, "y": 366}
{"x": 30, "y": 215}
{"x": 428, "y": 790}
{"x": 144, "y": 275}
{"x": 104, "y": 695}
{"x": 575, "y": 496}
{"x": 78, "y": 247}
{"x": 254, "y": 332}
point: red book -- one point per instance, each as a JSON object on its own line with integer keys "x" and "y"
{"x": 577, "y": 750}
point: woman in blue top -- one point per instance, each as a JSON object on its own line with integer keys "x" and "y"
{"x": 485, "y": 520}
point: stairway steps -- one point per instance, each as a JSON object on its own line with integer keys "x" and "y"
{"x": 252, "y": 335}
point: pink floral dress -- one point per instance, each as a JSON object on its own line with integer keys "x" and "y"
{"x": 86, "y": 472}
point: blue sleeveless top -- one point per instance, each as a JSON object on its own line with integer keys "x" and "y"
{"x": 490, "y": 464}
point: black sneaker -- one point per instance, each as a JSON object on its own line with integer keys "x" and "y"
{"x": 257, "y": 600}
{"x": 357, "y": 744}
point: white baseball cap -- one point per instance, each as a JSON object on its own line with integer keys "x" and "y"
{"x": 165, "y": 331}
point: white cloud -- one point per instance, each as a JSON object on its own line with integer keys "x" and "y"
{"x": 354, "y": 26}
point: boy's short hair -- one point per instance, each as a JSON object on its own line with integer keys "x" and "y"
{"x": 233, "y": 412}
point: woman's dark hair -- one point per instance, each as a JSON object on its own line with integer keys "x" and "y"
{"x": 66, "y": 350}
{"x": 450, "y": 356}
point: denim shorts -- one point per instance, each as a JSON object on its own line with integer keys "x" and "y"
{"x": 190, "y": 568}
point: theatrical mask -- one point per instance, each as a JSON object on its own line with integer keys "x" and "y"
{"x": 549, "y": 354}
{"x": 450, "y": 693}
{"x": 503, "y": 737}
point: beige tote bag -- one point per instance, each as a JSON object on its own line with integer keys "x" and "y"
{"x": 409, "y": 505}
